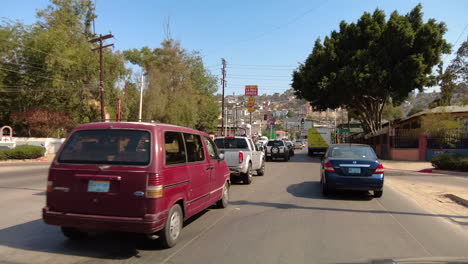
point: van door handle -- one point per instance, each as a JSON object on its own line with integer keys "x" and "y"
{"x": 210, "y": 168}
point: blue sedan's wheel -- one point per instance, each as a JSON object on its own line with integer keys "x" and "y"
{"x": 378, "y": 194}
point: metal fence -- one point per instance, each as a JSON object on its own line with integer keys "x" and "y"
{"x": 448, "y": 139}
{"x": 406, "y": 138}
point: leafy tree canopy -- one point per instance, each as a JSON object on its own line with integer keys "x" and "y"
{"x": 364, "y": 64}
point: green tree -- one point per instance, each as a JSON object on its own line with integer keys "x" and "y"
{"x": 446, "y": 80}
{"x": 415, "y": 110}
{"x": 364, "y": 64}
{"x": 391, "y": 112}
{"x": 50, "y": 64}
{"x": 180, "y": 89}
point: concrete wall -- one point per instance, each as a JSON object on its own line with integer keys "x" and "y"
{"x": 431, "y": 152}
{"x": 405, "y": 154}
{"x": 52, "y": 145}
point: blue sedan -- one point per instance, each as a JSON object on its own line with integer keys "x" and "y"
{"x": 351, "y": 167}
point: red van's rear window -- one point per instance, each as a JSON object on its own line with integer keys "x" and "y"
{"x": 107, "y": 146}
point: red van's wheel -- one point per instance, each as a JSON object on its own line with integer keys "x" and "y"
{"x": 171, "y": 232}
{"x": 74, "y": 233}
{"x": 224, "y": 201}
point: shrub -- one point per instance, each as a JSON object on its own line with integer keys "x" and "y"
{"x": 22, "y": 152}
{"x": 450, "y": 161}
{"x": 3, "y": 154}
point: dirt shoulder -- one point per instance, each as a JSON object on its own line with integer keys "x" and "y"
{"x": 434, "y": 196}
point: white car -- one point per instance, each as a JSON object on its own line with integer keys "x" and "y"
{"x": 242, "y": 157}
{"x": 299, "y": 144}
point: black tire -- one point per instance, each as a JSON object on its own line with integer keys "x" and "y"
{"x": 224, "y": 201}
{"x": 268, "y": 159}
{"x": 171, "y": 232}
{"x": 309, "y": 153}
{"x": 378, "y": 194}
{"x": 74, "y": 233}
{"x": 247, "y": 177}
{"x": 261, "y": 171}
{"x": 325, "y": 189}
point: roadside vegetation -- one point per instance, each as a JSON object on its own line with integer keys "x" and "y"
{"x": 450, "y": 161}
{"x": 22, "y": 152}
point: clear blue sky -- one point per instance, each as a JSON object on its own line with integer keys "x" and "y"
{"x": 262, "y": 41}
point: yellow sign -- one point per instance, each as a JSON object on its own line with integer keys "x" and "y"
{"x": 251, "y": 99}
{"x": 251, "y": 104}
{"x": 251, "y": 109}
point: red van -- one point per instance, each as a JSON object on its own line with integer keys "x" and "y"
{"x": 134, "y": 177}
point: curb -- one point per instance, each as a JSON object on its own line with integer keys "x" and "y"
{"x": 457, "y": 199}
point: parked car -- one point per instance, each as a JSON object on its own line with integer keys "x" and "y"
{"x": 290, "y": 146}
{"x": 299, "y": 144}
{"x": 351, "y": 167}
{"x": 277, "y": 149}
{"x": 134, "y": 177}
{"x": 242, "y": 157}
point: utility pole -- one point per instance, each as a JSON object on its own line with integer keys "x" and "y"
{"x": 100, "y": 39}
{"x": 141, "y": 97}
{"x": 223, "y": 83}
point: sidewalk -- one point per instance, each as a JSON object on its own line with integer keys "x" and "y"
{"x": 407, "y": 165}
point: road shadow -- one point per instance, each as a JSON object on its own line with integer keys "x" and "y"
{"x": 38, "y": 236}
{"x": 289, "y": 206}
{"x": 313, "y": 190}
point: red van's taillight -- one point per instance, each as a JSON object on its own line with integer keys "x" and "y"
{"x": 241, "y": 157}
{"x": 380, "y": 169}
{"x": 154, "y": 189}
{"x": 329, "y": 167}
{"x": 50, "y": 186}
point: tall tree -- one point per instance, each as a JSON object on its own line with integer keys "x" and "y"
{"x": 180, "y": 89}
{"x": 50, "y": 64}
{"x": 364, "y": 64}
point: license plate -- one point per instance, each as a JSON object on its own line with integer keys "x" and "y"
{"x": 354, "y": 170}
{"x": 98, "y": 186}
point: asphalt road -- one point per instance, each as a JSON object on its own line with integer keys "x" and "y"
{"x": 280, "y": 218}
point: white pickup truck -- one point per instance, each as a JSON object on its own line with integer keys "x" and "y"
{"x": 242, "y": 157}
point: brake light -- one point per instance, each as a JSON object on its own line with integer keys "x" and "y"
{"x": 50, "y": 186}
{"x": 241, "y": 157}
{"x": 329, "y": 167}
{"x": 154, "y": 189}
{"x": 380, "y": 169}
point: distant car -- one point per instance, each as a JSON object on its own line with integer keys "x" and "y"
{"x": 351, "y": 167}
{"x": 277, "y": 149}
{"x": 242, "y": 157}
{"x": 299, "y": 144}
{"x": 290, "y": 146}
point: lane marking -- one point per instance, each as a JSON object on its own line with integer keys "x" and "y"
{"x": 204, "y": 231}
{"x": 404, "y": 228}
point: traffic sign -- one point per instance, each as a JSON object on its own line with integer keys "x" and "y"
{"x": 251, "y": 104}
{"x": 251, "y": 90}
{"x": 251, "y": 109}
{"x": 251, "y": 99}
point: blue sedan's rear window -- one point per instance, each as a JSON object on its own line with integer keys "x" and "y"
{"x": 107, "y": 146}
{"x": 352, "y": 152}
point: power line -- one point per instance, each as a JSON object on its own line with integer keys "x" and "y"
{"x": 280, "y": 26}
{"x": 265, "y": 65}
{"x": 38, "y": 50}
{"x": 456, "y": 42}
{"x": 52, "y": 79}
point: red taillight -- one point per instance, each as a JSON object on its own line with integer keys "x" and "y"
{"x": 329, "y": 167}
{"x": 241, "y": 157}
{"x": 154, "y": 189}
{"x": 380, "y": 169}
{"x": 50, "y": 186}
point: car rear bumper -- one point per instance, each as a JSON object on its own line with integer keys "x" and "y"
{"x": 335, "y": 181}
{"x": 148, "y": 224}
{"x": 236, "y": 171}
{"x": 277, "y": 155}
